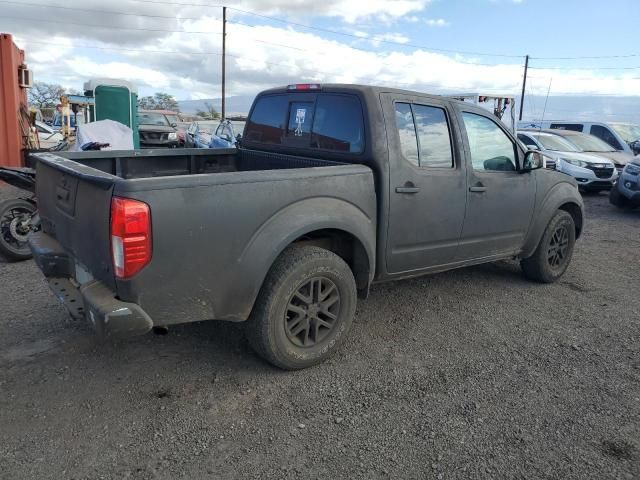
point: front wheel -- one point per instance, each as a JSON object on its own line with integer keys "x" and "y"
{"x": 554, "y": 252}
{"x": 15, "y": 226}
{"x": 304, "y": 309}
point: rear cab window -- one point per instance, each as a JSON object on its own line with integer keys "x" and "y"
{"x": 331, "y": 122}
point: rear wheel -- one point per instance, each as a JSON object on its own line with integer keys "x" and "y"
{"x": 15, "y": 226}
{"x": 554, "y": 252}
{"x": 304, "y": 309}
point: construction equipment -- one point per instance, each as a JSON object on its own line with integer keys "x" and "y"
{"x": 499, "y": 104}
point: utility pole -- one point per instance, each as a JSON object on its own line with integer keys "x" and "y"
{"x": 224, "y": 48}
{"x": 524, "y": 85}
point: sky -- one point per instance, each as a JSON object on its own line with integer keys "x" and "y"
{"x": 577, "y": 47}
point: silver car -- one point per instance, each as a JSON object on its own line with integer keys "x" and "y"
{"x": 592, "y": 173}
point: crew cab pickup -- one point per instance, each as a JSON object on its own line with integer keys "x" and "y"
{"x": 334, "y": 187}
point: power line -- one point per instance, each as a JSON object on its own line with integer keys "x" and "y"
{"x": 82, "y": 24}
{"x": 585, "y": 68}
{"x": 90, "y": 10}
{"x": 597, "y": 57}
{"x": 170, "y": 52}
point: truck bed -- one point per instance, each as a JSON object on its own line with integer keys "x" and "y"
{"x": 167, "y": 163}
{"x": 219, "y": 218}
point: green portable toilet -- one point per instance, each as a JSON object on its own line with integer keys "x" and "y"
{"x": 115, "y": 100}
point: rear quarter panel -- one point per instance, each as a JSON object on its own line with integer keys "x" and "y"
{"x": 216, "y": 236}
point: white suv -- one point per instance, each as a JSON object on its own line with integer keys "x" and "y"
{"x": 592, "y": 173}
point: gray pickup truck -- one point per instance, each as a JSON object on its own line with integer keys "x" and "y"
{"x": 335, "y": 187}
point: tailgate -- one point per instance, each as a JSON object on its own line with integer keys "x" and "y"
{"x": 74, "y": 201}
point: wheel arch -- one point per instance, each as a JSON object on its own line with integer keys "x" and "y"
{"x": 327, "y": 222}
{"x": 563, "y": 196}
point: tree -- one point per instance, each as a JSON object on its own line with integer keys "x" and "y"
{"x": 45, "y": 95}
{"x": 209, "y": 113}
{"x": 160, "y": 101}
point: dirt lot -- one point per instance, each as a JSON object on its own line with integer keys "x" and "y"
{"x": 469, "y": 374}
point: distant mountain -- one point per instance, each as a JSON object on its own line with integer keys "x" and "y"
{"x": 237, "y": 104}
{"x": 588, "y": 107}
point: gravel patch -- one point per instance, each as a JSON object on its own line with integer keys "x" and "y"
{"x": 474, "y": 373}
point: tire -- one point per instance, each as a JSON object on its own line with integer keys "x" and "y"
{"x": 616, "y": 199}
{"x": 554, "y": 252}
{"x": 307, "y": 288}
{"x": 13, "y": 238}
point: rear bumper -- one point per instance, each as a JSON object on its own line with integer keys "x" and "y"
{"x": 92, "y": 300}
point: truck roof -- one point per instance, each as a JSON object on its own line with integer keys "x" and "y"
{"x": 353, "y": 87}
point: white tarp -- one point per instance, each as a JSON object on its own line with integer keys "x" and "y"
{"x": 117, "y": 135}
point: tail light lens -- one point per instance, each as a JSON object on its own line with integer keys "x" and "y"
{"x": 130, "y": 236}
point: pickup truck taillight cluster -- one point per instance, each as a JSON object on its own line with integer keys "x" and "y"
{"x": 130, "y": 236}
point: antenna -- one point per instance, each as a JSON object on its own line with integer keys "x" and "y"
{"x": 545, "y": 102}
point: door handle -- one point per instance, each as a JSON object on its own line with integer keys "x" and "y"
{"x": 407, "y": 189}
{"x": 478, "y": 189}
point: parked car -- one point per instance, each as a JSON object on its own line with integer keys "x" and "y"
{"x": 211, "y": 134}
{"x": 156, "y": 130}
{"x": 592, "y": 173}
{"x": 630, "y": 133}
{"x": 334, "y": 187}
{"x": 606, "y": 132}
{"x": 626, "y": 193}
{"x": 594, "y": 146}
{"x": 47, "y": 136}
{"x": 200, "y": 133}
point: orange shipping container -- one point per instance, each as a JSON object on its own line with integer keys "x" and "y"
{"x": 14, "y": 124}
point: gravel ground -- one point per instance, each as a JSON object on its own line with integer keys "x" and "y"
{"x": 474, "y": 373}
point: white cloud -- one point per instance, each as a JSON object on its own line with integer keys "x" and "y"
{"x": 263, "y": 56}
{"x": 437, "y": 22}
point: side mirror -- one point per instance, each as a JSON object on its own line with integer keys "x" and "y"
{"x": 174, "y": 125}
{"x": 533, "y": 160}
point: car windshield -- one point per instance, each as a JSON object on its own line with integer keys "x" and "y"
{"x": 555, "y": 143}
{"x": 207, "y": 128}
{"x": 629, "y": 133}
{"x": 149, "y": 118}
{"x": 173, "y": 118}
{"x": 589, "y": 143}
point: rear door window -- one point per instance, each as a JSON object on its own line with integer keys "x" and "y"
{"x": 434, "y": 139}
{"x": 407, "y": 133}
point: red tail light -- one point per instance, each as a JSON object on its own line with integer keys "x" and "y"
{"x": 304, "y": 86}
{"x": 130, "y": 236}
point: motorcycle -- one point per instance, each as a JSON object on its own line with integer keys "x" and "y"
{"x": 18, "y": 216}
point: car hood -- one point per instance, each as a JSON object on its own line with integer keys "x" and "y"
{"x": 156, "y": 128}
{"x": 585, "y": 157}
{"x": 619, "y": 158}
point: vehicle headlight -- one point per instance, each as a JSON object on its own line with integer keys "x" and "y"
{"x": 632, "y": 169}
{"x": 573, "y": 161}
{"x": 173, "y": 136}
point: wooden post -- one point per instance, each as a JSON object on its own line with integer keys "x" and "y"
{"x": 524, "y": 85}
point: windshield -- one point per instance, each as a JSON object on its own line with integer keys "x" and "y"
{"x": 149, "y": 118}
{"x": 589, "y": 143}
{"x": 555, "y": 143}
{"x": 207, "y": 128}
{"x": 173, "y": 118}
{"x": 629, "y": 133}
